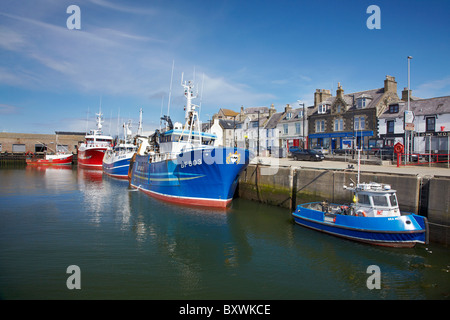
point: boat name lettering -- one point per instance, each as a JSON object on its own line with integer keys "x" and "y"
{"x": 185, "y": 164}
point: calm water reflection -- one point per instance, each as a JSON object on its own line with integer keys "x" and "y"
{"x": 130, "y": 246}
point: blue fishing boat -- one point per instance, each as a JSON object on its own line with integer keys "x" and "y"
{"x": 182, "y": 164}
{"x": 116, "y": 161}
{"x": 374, "y": 217}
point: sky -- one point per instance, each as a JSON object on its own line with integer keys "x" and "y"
{"x": 246, "y": 53}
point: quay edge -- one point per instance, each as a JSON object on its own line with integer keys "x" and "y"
{"x": 287, "y": 186}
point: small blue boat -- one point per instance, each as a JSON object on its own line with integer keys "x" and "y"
{"x": 116, "y": 161}
{"x": 374, "y": 217}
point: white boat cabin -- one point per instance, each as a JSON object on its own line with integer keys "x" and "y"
{"x": 375, "y": 200}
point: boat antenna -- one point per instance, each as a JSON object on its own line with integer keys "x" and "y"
{"x": 170, "y": 88}
{"x": 110, "y": 121}
{"x": 160, "y": 117}
{"x": 139, "y": 130}
{"x": 87, "y": 120}
{"x": 200, "y": 108}
{"x": 118, "y": 122}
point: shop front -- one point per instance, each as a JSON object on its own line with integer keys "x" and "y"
{"x": 340, "y": 140}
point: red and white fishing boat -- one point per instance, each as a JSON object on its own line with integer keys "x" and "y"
{"x": 52, "y": 159}
{"x": 92, "y": 151}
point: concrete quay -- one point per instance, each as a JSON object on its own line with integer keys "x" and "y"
{"x": 286, "y": 183}
{"x": 419, "y": 170}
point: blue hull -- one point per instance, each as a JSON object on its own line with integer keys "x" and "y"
{"x": 200, "y": 178}
{"x": 118, "y": 168}
{"x": 402, "y": 231}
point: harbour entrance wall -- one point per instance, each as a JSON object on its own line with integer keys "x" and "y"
{"x": 289, "y": 186}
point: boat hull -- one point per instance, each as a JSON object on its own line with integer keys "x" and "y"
{"x": 117, "y": 167}
{"x": 91, "y": 158}
{"x": 401, "y": 231}
{"x": 199, "y": 178}
{"x": 61, "y": 161}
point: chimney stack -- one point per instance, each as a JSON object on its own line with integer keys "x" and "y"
{"x": 405, "y": 94}
{"x": 321, "y": 95}
{"x": 390, "y": 85}
{"x": 340, "y": 91}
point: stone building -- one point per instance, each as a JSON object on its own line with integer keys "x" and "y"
{"x": 348, "y": 120}
{"x": 40, "y": 143}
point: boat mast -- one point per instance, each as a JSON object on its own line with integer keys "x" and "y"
{"x": 191, "y": 115}
{"x": 139, "y": 130}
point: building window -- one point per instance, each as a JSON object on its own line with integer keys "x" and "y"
{"x": 297, "y": 127}
{"x": 338, "y": 108}
{"x": 322, "y": 109}
{"x": 288, "y": 115}
{"x": 361, "y": 103}
{"x": 430, "y": 124}
{"x": 393, "y": 108}
{"x": 390, "y": 126}
{"x": 320, "y": 126}
{"x": 285, "y": 129}
{"x": 339, "y": 124}
{"x": 359, "y": 123}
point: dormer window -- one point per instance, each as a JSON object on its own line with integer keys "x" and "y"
{"x": 393, "y": 108}
{"x": 322, "y": 108}
{"x": 361, "y": 103}
{"x": 288, "y": 115}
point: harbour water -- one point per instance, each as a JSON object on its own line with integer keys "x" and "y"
{"x": 131, "y": 246}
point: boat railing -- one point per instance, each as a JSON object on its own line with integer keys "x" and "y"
{"x": 333, "y": 208}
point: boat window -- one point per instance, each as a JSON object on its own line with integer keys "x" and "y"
{"x": 380, "y": 201}
{"x": 393, "y": 199}
{"x": 364, "y": 199}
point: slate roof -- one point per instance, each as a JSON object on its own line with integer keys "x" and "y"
{"x": 373, "y": 95}
{"x": 227, "y": 124}
{"x": 422, "y": 107}
{"x": 256, "y": 109}
{"x": 431, "y": 106}
{"x": 273, "y": 121}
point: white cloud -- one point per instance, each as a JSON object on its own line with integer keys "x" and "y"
{"x": 8, "y": 109}
{"x": 123, "y": 8}
{"x": 434, "y": 88}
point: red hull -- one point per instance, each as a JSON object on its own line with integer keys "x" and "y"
{"x": 51, "y": 162}
{"x": 91, "y": 158}
{"x": 210, "y": 203}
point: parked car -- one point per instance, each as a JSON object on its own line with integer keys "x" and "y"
{"x": 321, "y": 150}
{"x": 387, "y": 153}
{"x": 308, "y": 154}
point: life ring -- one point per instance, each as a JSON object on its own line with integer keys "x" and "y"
{"x": 361, "y": 214}
{"x": 398, "y": 148}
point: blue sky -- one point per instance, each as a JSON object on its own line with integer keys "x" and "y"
{"x": 243, "y": 53}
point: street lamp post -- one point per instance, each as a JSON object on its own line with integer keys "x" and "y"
{"x": 408, "y": 133}
{"x": 257, "y": 143}
{"x": 303, "y": 118}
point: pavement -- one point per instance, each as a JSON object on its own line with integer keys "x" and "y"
{"x": 422, "y": 170}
